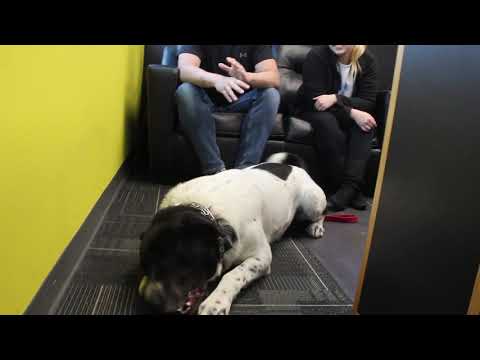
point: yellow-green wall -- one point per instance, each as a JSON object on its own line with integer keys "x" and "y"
{"x": 64, "y": 115}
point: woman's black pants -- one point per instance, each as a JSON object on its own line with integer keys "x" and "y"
{"x": 343, "y": 148}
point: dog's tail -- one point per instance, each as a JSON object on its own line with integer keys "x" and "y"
{"x": 288, "y": 159}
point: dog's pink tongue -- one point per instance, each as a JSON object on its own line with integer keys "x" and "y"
{"x": 195, "y": 293}
{"x": 192, "y": 299}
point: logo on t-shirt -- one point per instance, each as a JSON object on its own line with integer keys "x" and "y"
{"x": 243, "y": 55}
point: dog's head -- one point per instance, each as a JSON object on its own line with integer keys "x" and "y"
{"x": 179, "y": 253}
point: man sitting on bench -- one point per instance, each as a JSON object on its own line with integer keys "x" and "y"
{"x": 227, "y": 78}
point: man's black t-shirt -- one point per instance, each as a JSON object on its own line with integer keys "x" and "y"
{"x": 212, "y": 55}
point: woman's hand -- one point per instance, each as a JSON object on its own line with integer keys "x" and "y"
{"x": 323, "y": 102}
{"x": 364, "y": 120}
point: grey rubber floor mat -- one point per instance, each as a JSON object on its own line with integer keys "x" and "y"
{"x": 106, "y": 280}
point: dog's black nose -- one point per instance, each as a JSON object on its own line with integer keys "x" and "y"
{"x": 154, "y": 307}
{"x": 157, "y": 301}
{"x": 155, "y": 296}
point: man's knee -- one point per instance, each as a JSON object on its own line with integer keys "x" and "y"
{"x": 187, "y": 92}
{"x": 192, "y": 106}
{"x": 270, "y": 96}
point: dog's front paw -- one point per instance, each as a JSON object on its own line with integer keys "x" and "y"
{"x": 315, "y": 230}
{"x": 214, "y": 306}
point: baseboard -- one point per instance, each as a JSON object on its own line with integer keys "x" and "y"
{"x": 46, "y": 299}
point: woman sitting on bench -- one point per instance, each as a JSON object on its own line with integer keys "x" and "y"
{"x": 337, "y": 97}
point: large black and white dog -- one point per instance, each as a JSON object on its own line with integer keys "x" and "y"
{"x": 221, "y": 226}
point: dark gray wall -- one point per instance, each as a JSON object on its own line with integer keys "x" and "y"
{"x": 425, "y": 247}
{"x": 385, "y": 56}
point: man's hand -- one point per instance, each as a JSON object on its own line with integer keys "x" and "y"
{"x": 323, "y": 102}
{"x": 228, "y": 85}
{"x": 364, "y": 120}
{"x": 235, "y": 70}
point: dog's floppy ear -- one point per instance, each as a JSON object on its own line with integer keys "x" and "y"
{"x": 226, "y": 231}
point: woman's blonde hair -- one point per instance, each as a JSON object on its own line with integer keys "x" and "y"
{"x": 357, "y": 52}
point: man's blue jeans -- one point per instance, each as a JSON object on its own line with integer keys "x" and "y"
{"x": 195, "y": 110}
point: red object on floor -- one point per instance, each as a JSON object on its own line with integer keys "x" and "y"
{"x": 345, "y": 218}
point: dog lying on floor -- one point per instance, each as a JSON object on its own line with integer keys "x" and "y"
{"x": 221, "y": 227}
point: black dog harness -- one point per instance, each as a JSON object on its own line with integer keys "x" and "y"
{"x": 224, "y": 243}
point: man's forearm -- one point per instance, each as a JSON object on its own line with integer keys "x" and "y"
{"x": 264, "y": 79}
{"x": 197, "y": 76}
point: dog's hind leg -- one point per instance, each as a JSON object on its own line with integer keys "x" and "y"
{"x": 313, "y": 205}
{"x": 252, "y": 268}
